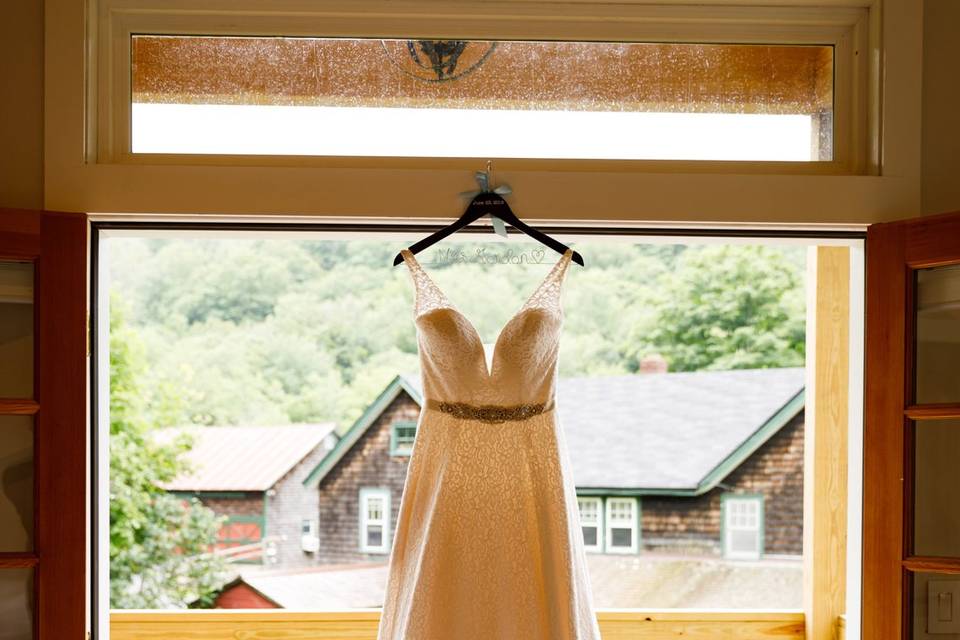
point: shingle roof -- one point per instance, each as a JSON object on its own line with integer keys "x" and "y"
{"x": 245, "y": 458}
{"x": 618, "y": 581}
{"x": 666, "y": 431}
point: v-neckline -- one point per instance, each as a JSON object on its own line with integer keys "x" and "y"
{"x": 488, "y": 370}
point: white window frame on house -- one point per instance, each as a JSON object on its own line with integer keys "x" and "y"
{"x": 729, "y": 502}
{"x": 366, "y": 493}
{"x": 597, "y": 523}
{"x": 611, "y": 524}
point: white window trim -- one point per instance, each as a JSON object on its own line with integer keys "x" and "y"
{"x": 83, "y": 129}
{"x": 758, "y": 500}
{"x": 365, "y": 494}
{"x": 594, "y": 548}
{"x": 634, "y": 525}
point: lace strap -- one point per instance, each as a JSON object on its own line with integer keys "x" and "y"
{"x": 547, "y": 295}
{"x": 428, "y": 295}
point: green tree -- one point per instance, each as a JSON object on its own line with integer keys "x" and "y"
{"x": 727, "y": 307}
{"x": 159, "y": 545}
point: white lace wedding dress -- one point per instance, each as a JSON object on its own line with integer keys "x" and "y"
{"x": 488, "y": 542}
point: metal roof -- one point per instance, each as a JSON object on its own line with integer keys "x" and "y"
{"x": 244, "y": 458}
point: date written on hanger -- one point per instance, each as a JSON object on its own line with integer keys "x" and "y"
{"x": 487, "y": 202}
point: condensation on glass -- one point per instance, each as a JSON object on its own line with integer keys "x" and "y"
{"x": 16, "y": 329}
{"x": 16, "y": 604}
{"x": 16, "y": 483}
{"x": 938, "y": 335}
{"x": 372, "y": 97}
{"x": 936, "y": 519}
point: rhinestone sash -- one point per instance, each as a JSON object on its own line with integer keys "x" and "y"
{"x": 489, "y": 412}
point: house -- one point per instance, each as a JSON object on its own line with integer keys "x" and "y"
{"x": 254, "y": 476}
{"x": 707, "y": 463}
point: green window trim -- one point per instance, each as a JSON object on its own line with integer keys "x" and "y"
{"x": 760, "y": 499}
{"x": 400, "y": 433}
{"x": 385, "y": 521}
{"x": 635, "y": 526}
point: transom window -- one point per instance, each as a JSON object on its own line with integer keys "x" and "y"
{"x": 433, "y": 98}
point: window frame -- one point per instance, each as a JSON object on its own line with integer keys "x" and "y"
{"x": 598, "y": 501}
{"x": 634, "y": 547}
{"x": 395, "y": 450}
{"x": 78, "y": 178}
{"x": 363, "y": 513}
{"x": 113, "y": 226}
{"x": 725, "y": 530}
{"x": 843, "y": 28}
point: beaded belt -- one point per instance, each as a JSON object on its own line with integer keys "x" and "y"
{"x": 489, "y": 412}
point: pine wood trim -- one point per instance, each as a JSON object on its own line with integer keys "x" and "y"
{"x": 825, "y": 439}
{"x": 933, "y": 411}
{"x": 933, "y": 564}
{"x": 361, "y": 624}
{"x": 15, "y": 560}
{"x": 18, "y": 407}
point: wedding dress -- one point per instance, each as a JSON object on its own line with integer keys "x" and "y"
{"x": 488, "y": 541}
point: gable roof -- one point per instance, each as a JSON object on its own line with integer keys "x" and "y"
{"x": 399, "y": 383}
{"x": 244, "y": 458}
{"x": 666, "y": 433}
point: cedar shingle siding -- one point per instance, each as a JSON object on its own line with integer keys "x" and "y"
{"x": 368, "y": 463}
{"x": 774, "y": 470}
{"x": 291, "y": 504}
{"x": 667, "y": 523}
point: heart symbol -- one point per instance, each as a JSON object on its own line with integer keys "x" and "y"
{"x": 538, "y": 255}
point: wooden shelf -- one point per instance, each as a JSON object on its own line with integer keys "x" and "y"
{"x": 18, "y": 407}
{"x": 932, "y": 564}
{"x": 933, "y": 411}
{"x": 12, "y": 560}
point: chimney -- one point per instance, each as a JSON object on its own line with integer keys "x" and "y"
{"x": 655, "y": 363}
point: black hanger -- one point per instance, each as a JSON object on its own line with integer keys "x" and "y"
{"x": 488, "y": 202}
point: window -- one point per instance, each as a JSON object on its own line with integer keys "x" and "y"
{"x": 622, "y": 520}
{"x": 613, "y": 100}
{"x": 402, "y": 435}
{"x": 591, "y": 522}
{"x": 374, "y": 520}
{"x": 742, "y": 527}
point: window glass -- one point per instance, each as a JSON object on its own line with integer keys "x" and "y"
{"x": 468, "y": 98}
{"x": 16, "y": 329}
{"x": 938, "y": 334}
{"x": 672, "y": 356}
{"x": 16, "y": 604}
{"x": 16, "y": 483}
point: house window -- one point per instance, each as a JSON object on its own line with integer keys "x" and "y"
{"x": 374, "y": 520}
{"x": 591, "y": 520}
{"x": 622, "y": 520}
{"x": 402, "y": 436}
{"x": 742, "y": 527}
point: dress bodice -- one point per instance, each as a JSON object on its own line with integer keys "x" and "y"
{"x": 453, "y": 364}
